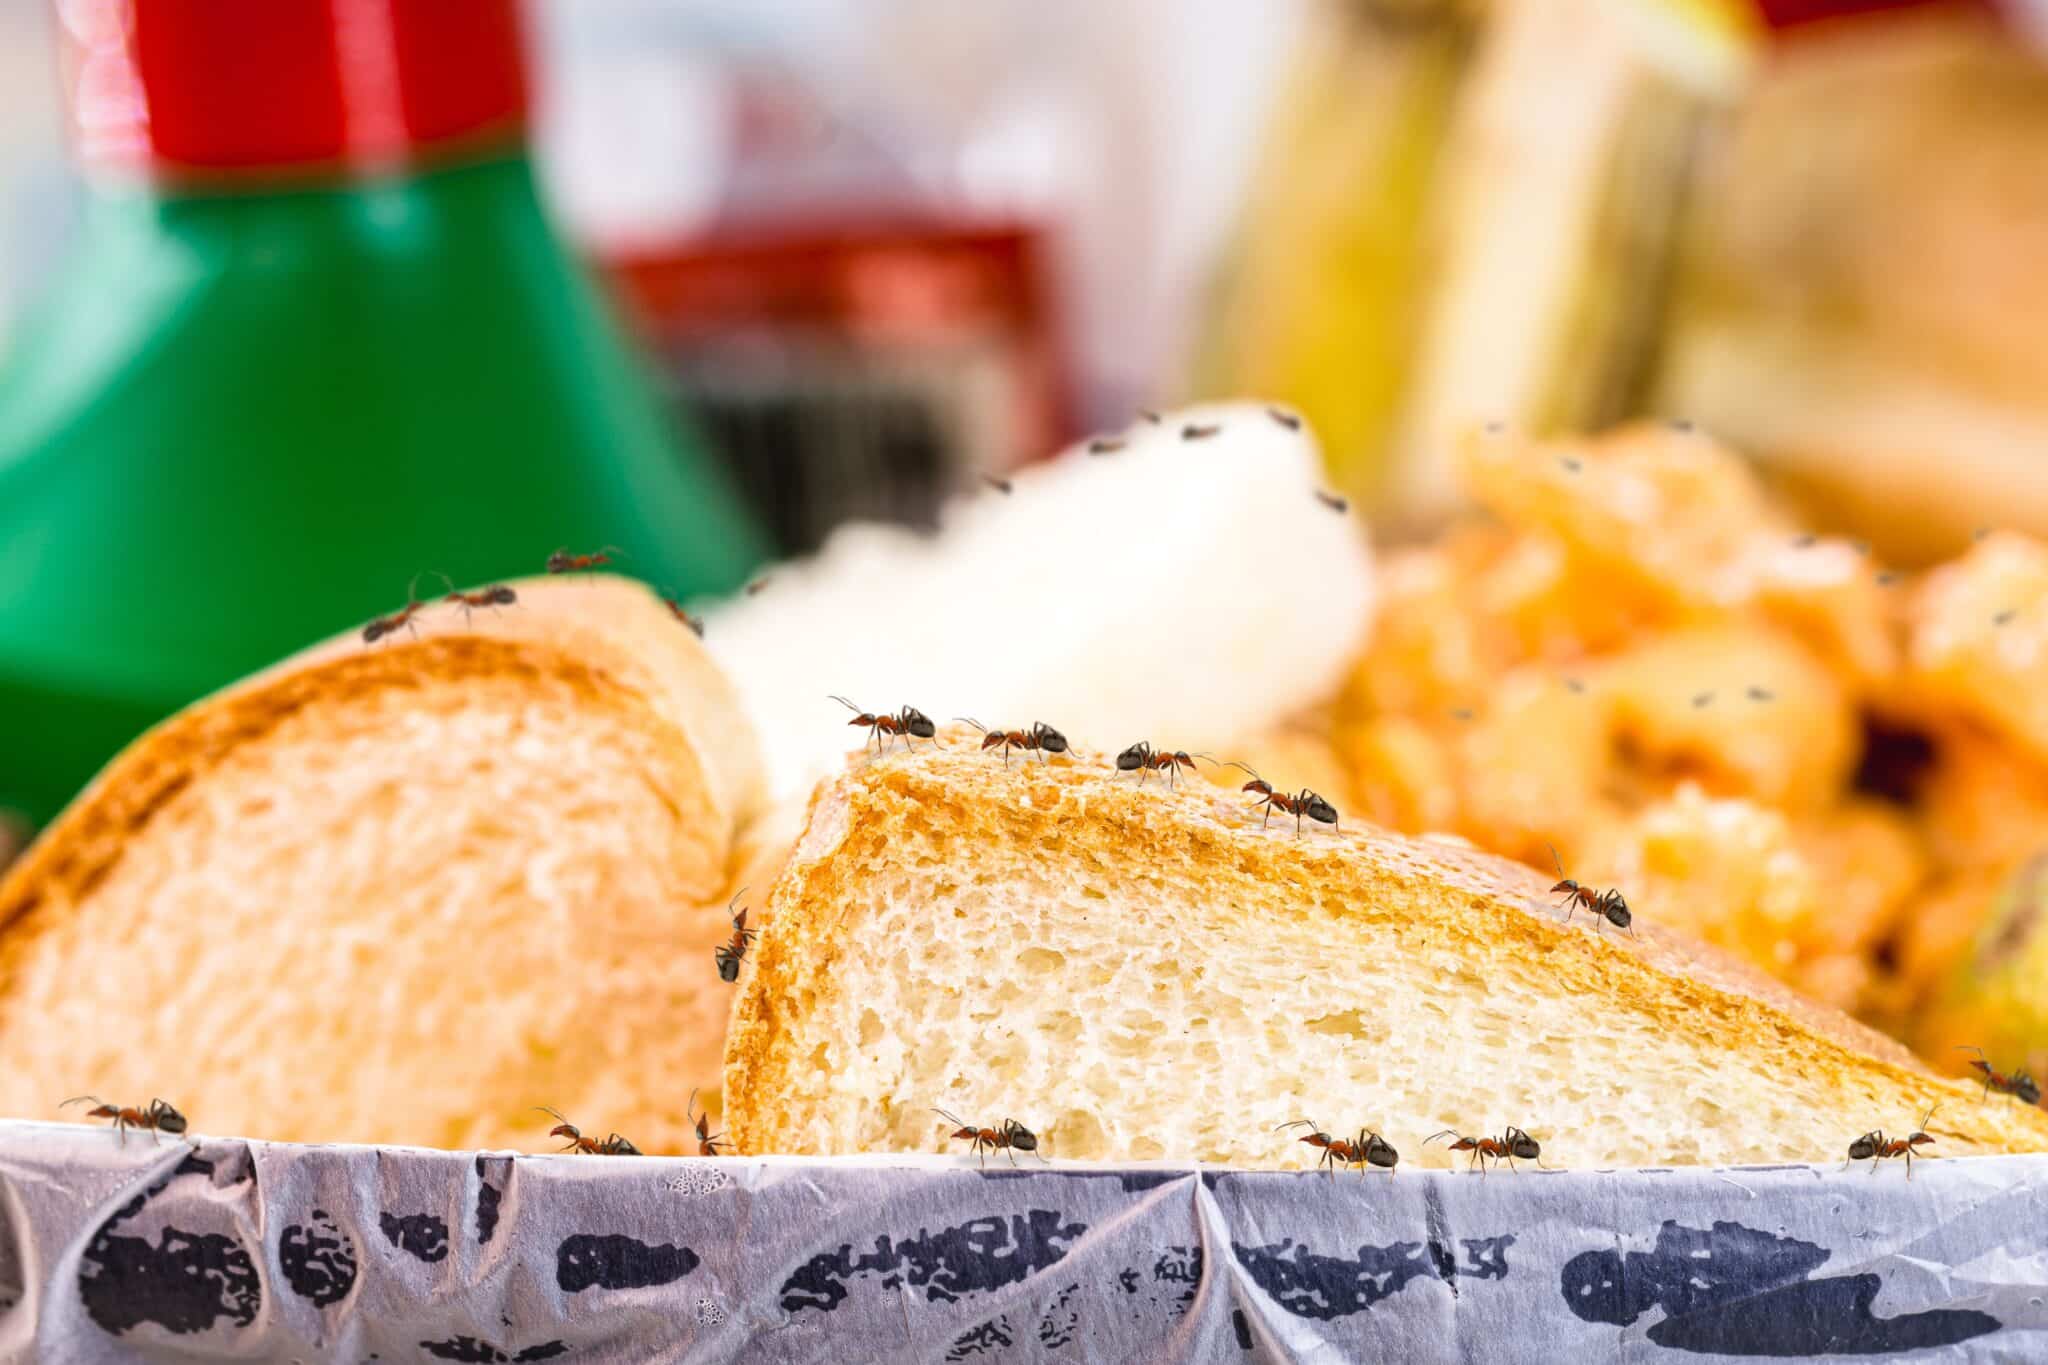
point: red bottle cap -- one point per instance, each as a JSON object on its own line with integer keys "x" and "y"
{"x": 226, "y": 89}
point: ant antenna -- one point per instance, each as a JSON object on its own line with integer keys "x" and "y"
{"x": 735, "y": 899}
{"x": 558, "y": 1115}
{"x": 81, "y": 1099}
{"x": 443, "y": 577}
{"x": 1233, "y": 763}
{"x": 1555, "y": 859}
{"x": 1926, "y": 1117}
{"x": 844, "y": 702}
{"x": 975, "y": 723}
{"x": 1310, "y": 1124}
{"x": 952, "y": 1119}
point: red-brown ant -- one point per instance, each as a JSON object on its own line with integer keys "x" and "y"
{"x": 1040, "y": 737}
{"x": 1286, "y": 419}
{"x": 1010, "y": 1136}
{"x": 1509, "y": 1145}
{"x": 1003, "y": 486}
{"x": 1191, "y": 432}
{"x": 1367, "y": 1149}
{"x": 907, "y": 722}
{"x": 1332, "y": 501}
{"x": 388, "y": 625}
{"x": 561, "y": 561}
{"x": 1296, "y": 804}
{"x": 1144, "y": 760}
{"x": 729, "y": 954}
{"x": 611, "y": 1145}
{"x": 1609, "y": 905}
{"x": 496, "y": 595}
{"x": 2018, "y": 1084}
{"x": 1874, "y": 1146}
{"x": 675, "y": 609}
{"x": 156, "y": 1116}
{"x": 1105, "y": 445}
{"x": 707, "y": 1141}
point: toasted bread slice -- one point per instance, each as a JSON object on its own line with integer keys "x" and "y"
{"x": 402, "y": 892}
{"x": 1138, "y": 973}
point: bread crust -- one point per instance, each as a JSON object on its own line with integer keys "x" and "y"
{"x": 1472, "y": 899}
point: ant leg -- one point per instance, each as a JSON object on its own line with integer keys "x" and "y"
{"x": 1268, "y": 805}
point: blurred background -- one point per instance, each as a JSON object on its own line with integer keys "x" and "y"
{"x": 775, "y": 267}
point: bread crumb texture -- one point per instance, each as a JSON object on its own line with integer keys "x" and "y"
{"x": 399, "y": 894}
{"x": 1138, "y": 974}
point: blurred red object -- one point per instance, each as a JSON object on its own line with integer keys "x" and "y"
{"x": 1785, "y": 14}
{"x": 355, "y": 82}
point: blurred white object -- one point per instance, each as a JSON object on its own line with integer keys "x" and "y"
{"x": 1178, "y": 591}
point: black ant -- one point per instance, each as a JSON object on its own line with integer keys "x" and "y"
{"x": 1509, "y": 1145}
{"x": 1010, "y": 1136}
{"x": 1332, "y": 501}
{"x": 1040, "y": 737}
{"x": 1105, "y": 445}
{"x": 1874, "y": 1146}
{"x": 611, "y": 1145}
{"x": 388, "y": 625}
{"x": 2018, "y": 1084}
{"x": 1609, "y": 905}
{"x": 1286, "y": 419}
{"x": 907, "y": 722}
{"x": 1003, "y": 486}
{"x": 561, "y": 561}
{"x": 1367, "y": 1149}
{"x": 707, "y": 1141}
{"x": 157, "y": 1116}
{"x": 1297, "y": 804}
{"x": 496, "y": 595}
{"x": 675, "y": 609}
{"x": 729, "y": 954}
{"x": 1141, "y": 758}
{"x": 1191, "y": 432}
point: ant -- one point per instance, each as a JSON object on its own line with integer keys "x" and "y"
{"x": 1148, "y": 415}
{"x": 1509, "y": 1145}
{"x": 1105, "y": 445}
{"x": 729, "y": 954}
{"x": 157, "y": 1116}
{"x": 1040, "y": 736}
{"x": 1142, "y": 759}
{"x": 1003, "y": 486}
{"x": 1332, "y": 501}
{"x": 754, "y": 587}
{"x": 1011, "y": 1136}
{"x": 561, "y": 561}
{"x": 1368, "y": 1149}
{"x": 496, "y": 595}
{"x": 1298, "y": 804}
{"x": 675, "y": 609}
{"x": 707, "y": 1141}
{"x": 1874, "y": 1146}
{"x": 907, "y": 722}
{"x": 2018, "y": 1084}
{"x": 1191, "y": 432}
{"x": 612, "y": 1145}
{"x": 1609, "y": 905}
{"x": 388, "y": 625}
{"x": 1286, "y": 419}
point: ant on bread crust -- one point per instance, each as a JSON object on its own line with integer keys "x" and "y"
{"x": 907, "y": 722}
{"x": 707, "y": 1141}
{"x": 1009, "y": 1136}
{"x": 1144, "y": 760}
{"x": 1368, "y": 1149}
{"x": 1874, "y": 1146}
{"x": 1296, "y": 804}
{"x": 1509, "y": 1145}
{"x": 610, "y": 1145}
{"x": 1192, "y": 432}
{"x": 1609, "y": 905}
{"x": 1040, "y": 737}
{"x": 157, "y": 1116}
{"x": 494, "y": 596}
{"x": 382, "y": 626}
{"x": 675, "y": 609}
{"x": 2017, "y": 1084}
{"x": 561, "y": 561}
{"x": 729, "y": 954}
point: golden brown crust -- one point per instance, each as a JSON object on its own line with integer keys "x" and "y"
{"x": 1482, "y": 904}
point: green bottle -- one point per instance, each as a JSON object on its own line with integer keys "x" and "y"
{"x": 317, "y": 338}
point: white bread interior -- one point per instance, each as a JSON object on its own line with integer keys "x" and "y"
{"x": 1135, "y": 974}
{"x": 402, "y": 892}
